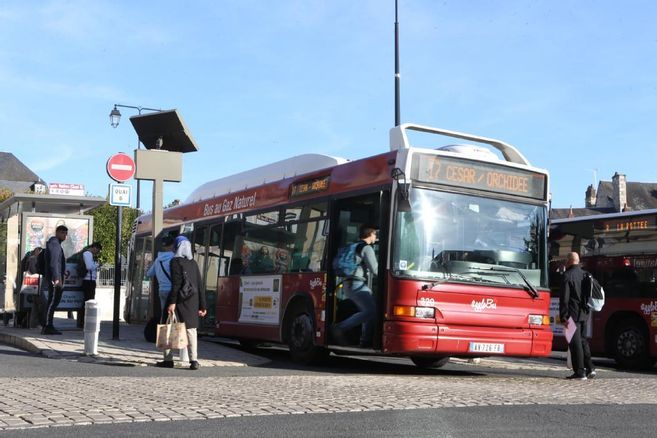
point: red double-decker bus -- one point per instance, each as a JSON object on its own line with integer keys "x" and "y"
{"x": 620, "y": 251}
{"x": 462, "y": 250}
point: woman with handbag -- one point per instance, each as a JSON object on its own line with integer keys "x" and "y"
{"x": 186, "y": 299}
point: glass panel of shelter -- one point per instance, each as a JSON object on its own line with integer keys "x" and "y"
{"x": 136, "y": 279}
{"x": 144, "y": 297}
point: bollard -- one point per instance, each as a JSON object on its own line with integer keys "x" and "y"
{"x": 91, "y": 327}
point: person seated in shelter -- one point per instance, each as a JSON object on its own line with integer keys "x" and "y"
{"x": 29, "y": 262}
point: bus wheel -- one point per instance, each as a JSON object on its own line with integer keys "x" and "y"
{"x": 429, "y": 362}
{"x": 300, "y": 339}
{"x": 630, "y": 346}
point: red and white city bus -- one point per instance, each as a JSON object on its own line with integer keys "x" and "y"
{"x": 462, "y": 250}
{"x": 620, "y": 251}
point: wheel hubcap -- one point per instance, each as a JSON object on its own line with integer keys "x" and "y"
{"x": 300, "y": 330}
{"x": 629, "y": 343}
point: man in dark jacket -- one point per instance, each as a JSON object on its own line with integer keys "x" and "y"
{"x": 571, "y": 306}
{"x": 54, "y": 276}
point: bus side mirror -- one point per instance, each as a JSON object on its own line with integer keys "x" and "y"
{"x": 403, "y": 203}
{"x": 403, "y": 189}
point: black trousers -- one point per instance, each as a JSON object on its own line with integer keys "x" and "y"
{"x": 89, "y": 289}
{"x": 580, "y": 353}
{"x": 54, "y": 297}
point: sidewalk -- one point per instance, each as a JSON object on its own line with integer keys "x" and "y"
{"x": 130, "y": 350}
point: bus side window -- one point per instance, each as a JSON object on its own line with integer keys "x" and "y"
{"x": 230, "y": 236}
{"x": 308, "y": 248}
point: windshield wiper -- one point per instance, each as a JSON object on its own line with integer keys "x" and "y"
{"x": 530, "y": 288}
{"x": 477, "y": 271}
{"x": 434, "y": 283}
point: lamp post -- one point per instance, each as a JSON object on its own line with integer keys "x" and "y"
{"x": 115, "y": 118}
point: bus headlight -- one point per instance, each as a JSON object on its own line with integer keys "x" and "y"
{"x": 417, "y": 312}
{"x": 425, "y": 312}
{"x": 539, "y": 320}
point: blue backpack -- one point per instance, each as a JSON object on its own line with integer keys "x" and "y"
{"x": 345, "y": 262}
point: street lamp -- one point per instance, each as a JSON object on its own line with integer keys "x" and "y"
{"x": 115, "y": 118}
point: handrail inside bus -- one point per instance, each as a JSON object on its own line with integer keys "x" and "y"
{"x": 399, "y": 140}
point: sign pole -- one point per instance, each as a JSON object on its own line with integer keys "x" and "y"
{"x": 120, "y": 167}
{"x": 117, "y": 273}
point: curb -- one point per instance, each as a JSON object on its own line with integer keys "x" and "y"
{"x": 27, "y": 344}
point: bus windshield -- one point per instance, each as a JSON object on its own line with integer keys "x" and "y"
{"x": 472, "y": 239}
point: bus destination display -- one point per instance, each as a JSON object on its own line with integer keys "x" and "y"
{"x": 478, "y": 175}
{"x": 311, "y": 186}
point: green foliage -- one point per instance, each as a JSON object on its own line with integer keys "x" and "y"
{"x": 105, "y": 230}
{"x": 5, "y": 194}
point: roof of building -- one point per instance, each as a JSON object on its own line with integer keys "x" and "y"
{"x": 16, "y": 186}
{"x": 563, "y": 213}
{"x": 12, "y": 169}
{"x": 14, "y": 175}
{"x": 640, "y": 196}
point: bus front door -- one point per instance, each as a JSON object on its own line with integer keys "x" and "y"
{"x": 347, "y": 217}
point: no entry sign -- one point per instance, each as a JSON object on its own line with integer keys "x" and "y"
{"x": 120, "y": 167}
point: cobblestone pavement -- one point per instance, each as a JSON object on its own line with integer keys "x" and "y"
{"x": 45, "y": 402}
{"x": 130, "y": 349}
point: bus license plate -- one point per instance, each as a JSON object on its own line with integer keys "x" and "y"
{"x": 480, "y": 347}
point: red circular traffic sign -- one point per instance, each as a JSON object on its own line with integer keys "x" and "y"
{"x": 120, "y": 167}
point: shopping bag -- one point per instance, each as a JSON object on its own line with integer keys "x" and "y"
{"x": 172, "y": 335}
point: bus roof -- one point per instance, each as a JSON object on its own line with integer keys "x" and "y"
{"x": 276, "y": 171}
{"x": 266, "y": 193}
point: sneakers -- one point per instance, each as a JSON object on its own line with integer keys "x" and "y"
{"x": 576, "y": 376}
{"x": 164, "y": 364}
{"x": 591, "y": 374}
{"x": 193, "y": 365}
{"x": 50, "y": 330}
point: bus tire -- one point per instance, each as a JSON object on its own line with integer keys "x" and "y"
{"x": 430, "y": 361}
{"x": 301, "y": 338}
{"x": 630, "y": 345}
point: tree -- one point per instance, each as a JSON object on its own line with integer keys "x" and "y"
{"x": 105, "y": 229}
{"x": 5, "y": 194}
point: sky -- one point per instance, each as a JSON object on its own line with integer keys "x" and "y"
{"x": 571, "y": 84}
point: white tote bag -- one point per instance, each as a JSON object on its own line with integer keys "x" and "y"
{"x": 172, "y": 335}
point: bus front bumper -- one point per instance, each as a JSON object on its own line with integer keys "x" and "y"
{"x": 410, "y": 338}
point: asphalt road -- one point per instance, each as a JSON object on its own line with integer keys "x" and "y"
{"x": 596, "y": 421}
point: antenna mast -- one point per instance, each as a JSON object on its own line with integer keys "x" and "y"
{"x": 397, "y": 111}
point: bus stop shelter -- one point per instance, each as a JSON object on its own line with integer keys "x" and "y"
{"x": 29, "y": 220}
